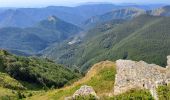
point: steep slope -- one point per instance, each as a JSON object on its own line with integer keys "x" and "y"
{"x": 98, "y": 76}
{"x": 163, "y": 11}
{"x": 10, "y": 83}
{"x": 34, "y": 39}
{"x": 124, "y": 13}
{"x": 101, "y": 77}
{"x": 18, "y": 39}
{"x": 149, "y": 43}
{"x": 9, "y": 87}
{"x": 67, "y": 52}
{"x": 112, "y": 44}
{"x": 35, "y": 70}
{"x": 55, "y": 24}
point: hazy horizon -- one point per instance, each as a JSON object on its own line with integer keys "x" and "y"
{"x": 45, "y": 3}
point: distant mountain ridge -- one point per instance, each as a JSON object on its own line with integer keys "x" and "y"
{"x": 15, "y": 18}
{"x": 54, "y": 23}
{"x": 163, "y": 11}
{"x": 123, "y": 13}
{"x": 76, "y": 15}
{"x": 30, "y": 16}
{"x": 31, "y": 40}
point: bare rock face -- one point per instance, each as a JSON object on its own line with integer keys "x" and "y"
{"x": 168, "y": 62}
{"x": 85, "y": 91}
{"x": 132, "y": 74}
{"x": 168, "y": 69}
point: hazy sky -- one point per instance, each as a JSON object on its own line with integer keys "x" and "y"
{"x": 40, "y": 3}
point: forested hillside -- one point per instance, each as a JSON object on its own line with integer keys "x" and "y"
{"x": 143, "y": 38}
{"x": 33, "y": 39}
{"x": 35, "y": 70}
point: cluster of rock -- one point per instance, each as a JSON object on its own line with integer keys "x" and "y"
{"x": 83, "y": 91}
{"x": 132, "y": 74}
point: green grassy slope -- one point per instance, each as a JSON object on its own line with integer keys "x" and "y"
{"x": 9, "y": 87}
{"x": 12, "y": 89}
{"x": 7, "y": 94}
{"x": 101, "y": 77}
{"x": 98, "y": 76}
{"x": 164, "y": 92}
{"x": 7, "y": 82}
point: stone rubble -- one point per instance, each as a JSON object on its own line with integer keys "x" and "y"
{"x": 132, "y": 74}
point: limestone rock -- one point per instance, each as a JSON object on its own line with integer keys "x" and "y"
{"x": 160, "y": 83}
{"x": 167, "y": 81}
{"x": 132, "y": 74}
{"x": 85, "y": 91}
{"x": 168, "y": 61}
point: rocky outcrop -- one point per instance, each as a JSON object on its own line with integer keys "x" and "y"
{"x": 83, "y": 91}
{"x": 132, "y": 74}
{"x": 168, "y": 62}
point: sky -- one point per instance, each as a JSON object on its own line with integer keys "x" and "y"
{"x": 43, "y": 3}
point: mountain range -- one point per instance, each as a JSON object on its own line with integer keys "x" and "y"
{"x": 164, "y": 11}
{"x": 123, "y": 13}
{"x": 49, "y": 53}
{"x": 145, "y": 37}
{"x": 26, "y": 17}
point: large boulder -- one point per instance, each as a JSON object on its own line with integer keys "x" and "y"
{"x": 85, "y": 91}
